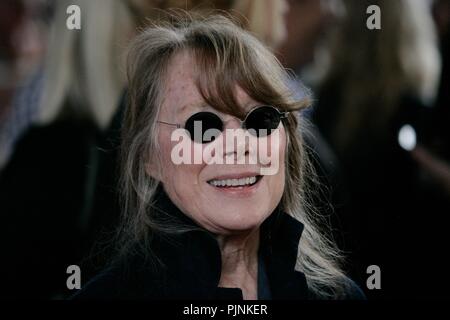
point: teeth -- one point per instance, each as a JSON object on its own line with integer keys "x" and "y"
{"x": 233, "y": 182}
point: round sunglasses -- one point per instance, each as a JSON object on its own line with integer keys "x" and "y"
{"x": 260, "y": 121}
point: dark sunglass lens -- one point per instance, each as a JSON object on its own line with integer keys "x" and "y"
{"x": 204, "y": 127}
{"x": 261, "y": 121}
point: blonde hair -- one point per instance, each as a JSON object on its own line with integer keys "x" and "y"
{"x": 226, "y": 55}
{"x": 84, "y": 66}
{"x": 382, "y": 65}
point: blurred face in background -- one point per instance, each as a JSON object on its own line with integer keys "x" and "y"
{"x": 23, "y": 35}
{"x": 441, "y": 15}
{"x": 306, "y": 22}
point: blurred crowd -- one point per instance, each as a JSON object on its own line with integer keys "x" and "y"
{"x": 385, "y": 201}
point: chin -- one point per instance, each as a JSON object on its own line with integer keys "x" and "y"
{"x": 241, "y": 222}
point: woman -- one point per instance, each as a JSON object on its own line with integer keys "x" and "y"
{"x": 214, "y": 229}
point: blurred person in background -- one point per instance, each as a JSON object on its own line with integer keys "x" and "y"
{"x": 379, "y": 81}
{"x": 23, "y": 29}
{"x": 309, "y": 25}
{"x": 434, "y": 158}
{"x": 46, "y": 187}
{"x": 12, "y": 15}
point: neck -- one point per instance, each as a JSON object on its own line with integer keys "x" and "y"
{"x": 240, "y": 262}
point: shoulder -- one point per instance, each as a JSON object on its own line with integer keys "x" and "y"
{"x": 353, "y": 291}
{"x": 105, "y": 285}
{"x": 348, "y": 290}
{"x": 122, "y": 282}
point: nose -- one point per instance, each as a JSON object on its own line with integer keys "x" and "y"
{"x": 236, "y": 140}
{"x": 232, "y": 123}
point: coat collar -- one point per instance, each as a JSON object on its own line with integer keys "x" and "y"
{"x": 192, "y": 259}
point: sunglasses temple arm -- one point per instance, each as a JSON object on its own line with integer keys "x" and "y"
{"x": 170, "y": 124}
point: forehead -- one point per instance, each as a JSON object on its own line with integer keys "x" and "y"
{"x": 181, "y": 89}
{"x": 180, "y": 81}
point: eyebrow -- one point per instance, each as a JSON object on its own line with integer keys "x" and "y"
{"x": 198, "y": 104}
{"x": 202, "y": 104}
{"x": 250, "y": 104}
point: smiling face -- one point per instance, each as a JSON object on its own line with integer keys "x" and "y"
{"x": 205, "y": 192}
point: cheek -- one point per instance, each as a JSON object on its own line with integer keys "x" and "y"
{"x": 178, "y": 175}
{"x": 182, "y": 182}
{"x": 283, "y": 148}
{"x": 165, "y": 149}
{"x": 271, "y": 152}
{"x": 276, "y": 173}
{"x": 279, "y": 151}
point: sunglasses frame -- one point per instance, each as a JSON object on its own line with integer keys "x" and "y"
{"x": 282, "y": 114}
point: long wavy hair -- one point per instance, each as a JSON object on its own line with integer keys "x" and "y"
{"x": 374, "y": 69}
{"x": 226, "y": 55}
{"x": 85, "y": 67}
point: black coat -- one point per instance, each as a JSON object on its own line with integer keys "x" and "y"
{"x": 191, "y": 265}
